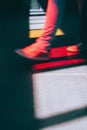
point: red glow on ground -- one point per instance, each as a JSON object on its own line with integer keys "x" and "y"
{"x": 56, "y": 53}
{"x": 57, "y": 64}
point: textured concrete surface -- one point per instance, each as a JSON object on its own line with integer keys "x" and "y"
{"x": 60, "y": 99}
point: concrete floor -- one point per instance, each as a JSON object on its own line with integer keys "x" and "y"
{"x": 60, "y": 99}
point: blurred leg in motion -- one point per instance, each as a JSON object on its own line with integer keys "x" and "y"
{"x": 40, "y": 49}
{"x": 82, "y": 46}
{"x": 43, "y": 4}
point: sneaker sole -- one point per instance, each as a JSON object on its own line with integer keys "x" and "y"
{"x": 20, "y": 52}
{"x": 77, "y": 51}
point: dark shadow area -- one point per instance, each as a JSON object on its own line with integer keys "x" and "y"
{"x": 16, "y": 98}
{"x": 61, "y": 118}
{"x": 71, "y": 27}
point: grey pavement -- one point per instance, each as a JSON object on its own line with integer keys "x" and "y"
{"x": 60, "y": 99}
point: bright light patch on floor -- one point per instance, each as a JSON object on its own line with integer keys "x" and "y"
{"x": 52, "y": 96}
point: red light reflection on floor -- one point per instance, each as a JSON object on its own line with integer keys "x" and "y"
{"x": 59, "y": 53}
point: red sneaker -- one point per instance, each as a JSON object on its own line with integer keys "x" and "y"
{"x": 34, "y": 52}
{"x": 77, "y": 48}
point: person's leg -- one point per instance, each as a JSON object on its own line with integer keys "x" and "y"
{"x": 82, "y": 46}
{"x": 43, "y": 4}
{"x": 80, "y": 5}
{"x": 54, "y": 15}
{"x": 83, "y": 34}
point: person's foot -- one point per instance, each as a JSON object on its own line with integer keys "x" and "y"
{"x": 34, "y": 52}
{"x": 77, "y": 48}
